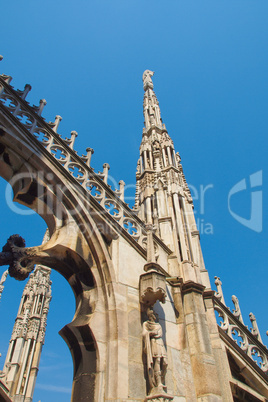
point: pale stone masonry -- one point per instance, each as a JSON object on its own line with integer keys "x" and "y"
{"x": 145, "y": 327}
{"x": 24, "y": 352}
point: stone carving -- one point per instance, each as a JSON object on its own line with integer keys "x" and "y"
{"x": 159, "y": 399}
{"x": 138, "y": 171}
{"x": 255, "y": 330}
{"x": 17, "y": 257}
{"x": 153, "y": 282}
{"x": 2, "y": 281}
{"x": 237, "y": 312}
{"x": 219, "y": 293}
{"x": 147, "y": 80}
{"x": 156, "y": 146}
{"x": 249, "y": 341}
{"x": 152, "y": 287}
{"x": 156, "y": 354}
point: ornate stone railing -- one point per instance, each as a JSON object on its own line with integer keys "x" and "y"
{"x": 233, "y": 325}
{"x": 78, "y": 166}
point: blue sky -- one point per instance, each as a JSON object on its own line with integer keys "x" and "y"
{"x": 86, "y": 58}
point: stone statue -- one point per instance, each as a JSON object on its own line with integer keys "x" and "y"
{"x": 147, "y": 80}
{"x": 156, "y": 146}
{"x": 155, "y": 352}
{"x": 138, "y": 171}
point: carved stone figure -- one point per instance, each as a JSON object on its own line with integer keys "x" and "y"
{"x": 147, "y": 80}
{"x": 155, "y": 351}
{"x": 237, "y": 312}
{"x": 138, "y": 171}
{"x": 156, "y": 146}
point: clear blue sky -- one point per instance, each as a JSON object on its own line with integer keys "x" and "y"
{"x": 86, "y": 58}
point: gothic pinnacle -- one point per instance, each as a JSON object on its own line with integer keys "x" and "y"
{"x": 151, "y": 108}
{"x": 24, "y": 93}
{"x": 56, "y": 123}
{"x": 90, "y": 152}
{"x": 106, "y": 167}
{"x": 74, "y": 134}
{"x": 41, "y": 106}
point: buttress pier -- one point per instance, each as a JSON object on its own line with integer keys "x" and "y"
{"x": 147, "y": 326}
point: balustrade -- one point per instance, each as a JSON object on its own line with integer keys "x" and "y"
{"x": 232, "y": 324}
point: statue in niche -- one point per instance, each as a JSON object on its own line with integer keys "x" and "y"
{"x": 156, "y": 146}
{"x": 138, "y": 171}
{"x": 155, "y": 351}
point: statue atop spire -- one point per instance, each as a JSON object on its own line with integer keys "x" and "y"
{"x": 147, "y": 80}
{"x": 151, "y": 110}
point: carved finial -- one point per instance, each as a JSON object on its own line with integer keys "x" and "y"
{"x": 25, "y": 92}
{"x": 147, "y": 80}
{"x": 42, "y": 104}
{"x": 219, "y": 293}
{"x": 90, "y": 152}
{"x": 237, "y": 312}
{"x": 6, "y": 78}
{"x": 56, "y": 123}
{"x": 121, "y": 189}
{"x": 106, "y": 168}
{"x": 254, "y": 330}
{"x": 73, "y": 137}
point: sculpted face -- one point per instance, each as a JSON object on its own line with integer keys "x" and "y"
{"x": 152, "y": 315}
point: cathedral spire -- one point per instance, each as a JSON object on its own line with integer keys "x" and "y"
{"x": 27, "y": 339}
{"x": 163, "y": 198}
